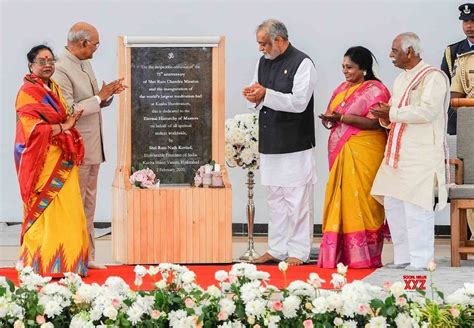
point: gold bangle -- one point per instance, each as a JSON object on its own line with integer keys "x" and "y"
{"x": 61, "y": 128}
{"x": 341, "y": 119}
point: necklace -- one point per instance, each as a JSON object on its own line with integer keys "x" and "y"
{"x": 343, "y": 103}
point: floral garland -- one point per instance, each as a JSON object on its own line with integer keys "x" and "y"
{"x": 241, "y": 141}
{"x": 242, "y": 298}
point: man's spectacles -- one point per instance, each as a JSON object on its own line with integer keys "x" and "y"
{"x": 44, "y": 62}
{"x": 96, "y": 45}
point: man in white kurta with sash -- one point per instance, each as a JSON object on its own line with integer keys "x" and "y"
{"x": 414, "y": 162}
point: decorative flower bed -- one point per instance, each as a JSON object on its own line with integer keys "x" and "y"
{"x": 241, "y": 298}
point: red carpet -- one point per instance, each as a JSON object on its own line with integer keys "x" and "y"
{"x": 205, "y": 274}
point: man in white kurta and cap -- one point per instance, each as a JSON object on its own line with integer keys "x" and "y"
{"x": 282, "y": 91}
{"x": 414, "y": 162}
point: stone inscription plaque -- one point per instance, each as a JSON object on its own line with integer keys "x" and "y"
{"x": 171, "y": 111}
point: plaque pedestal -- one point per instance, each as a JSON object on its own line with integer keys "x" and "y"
{"x": 176, "y": 224}
{"x": 172, "y": 224}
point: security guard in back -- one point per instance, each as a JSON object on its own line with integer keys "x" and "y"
{"x": 453, "y": 52}
{"x": 462, "y": 81}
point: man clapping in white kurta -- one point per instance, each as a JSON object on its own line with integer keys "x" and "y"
{"x": 414, "y": 162}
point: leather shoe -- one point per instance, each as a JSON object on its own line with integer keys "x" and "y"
{"x": 392, "y": 265}
{"x": 95, "y": 265}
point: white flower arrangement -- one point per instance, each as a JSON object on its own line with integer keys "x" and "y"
{"x": 241, "y": 139}
{"x": 144, "y": 179}
{"x": 244, "y": 299}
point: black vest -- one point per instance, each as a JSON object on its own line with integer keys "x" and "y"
{"x": 283, "y": 132}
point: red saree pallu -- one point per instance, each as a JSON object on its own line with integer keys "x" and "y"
{"x": 45, "y": 164}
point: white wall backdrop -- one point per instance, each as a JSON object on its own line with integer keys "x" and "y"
{"x": 324, "y": 29}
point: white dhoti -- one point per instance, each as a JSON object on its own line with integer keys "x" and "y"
{"x": 412, "y": 232}
{"x": 290, "y": 229}
{"x": 289, "y": 176}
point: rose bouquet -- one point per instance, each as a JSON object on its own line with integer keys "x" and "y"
{"x": 144, "y": 179}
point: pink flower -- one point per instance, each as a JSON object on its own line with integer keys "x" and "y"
{"x": 308, "y": 323}
{"x": 277, "y": 306}
{"x": 401, "y": 301}
{"x": 362, "y": 309}
{"x": 189, "y": 302}
{"x": 315, "y": 280}
{"x": 147, "y": 183}
{"x": 221, "y": 316}
{"x": 40, "y": 319}
{"x": 317, "y": 284}
{"x": 454, "y": 312}
{"x": 386, "y": 285}
{"x": 141, "y": 177}
{"x": 200, "y": 171}
{"x": 155, "y": 314}
{"x": 136, "y": 177}
{"x": 115, "y": 303}
{"x": 432, "y": 266}
{"x": 150, "y": 174}
{"x": 197, "y": 180}
{"x": 256, "y": 326}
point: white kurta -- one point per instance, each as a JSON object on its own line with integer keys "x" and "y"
{"x": 290, "y": 176}
{"x": 421, "y": 165}
{"x": 298, "y": 168}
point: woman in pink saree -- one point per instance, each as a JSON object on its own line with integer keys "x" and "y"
{"x": 352, "y": 220}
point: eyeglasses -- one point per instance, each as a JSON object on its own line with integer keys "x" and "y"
{"x": 96, "y": 45}
{"x": 44, "y": 62}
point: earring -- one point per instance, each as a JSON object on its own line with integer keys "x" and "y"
{"x": 364, "y": 73}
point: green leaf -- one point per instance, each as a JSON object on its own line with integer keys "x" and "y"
{"x": 240, "y": 311}
{"x": 175, "y": 299}
{"x": 421, "y": 292}
{"x": 391, "y": 310}
{"x": 124, "y": 323}
{"x": 11, "y": 285}
{"x": 376, "y": 304}
{"x": 390, "y": 301}
{"x": 440, "y": 294}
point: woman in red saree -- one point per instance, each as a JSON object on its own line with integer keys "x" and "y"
{"x": 47, "y": 151}
{"x": 353, "y": 220}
